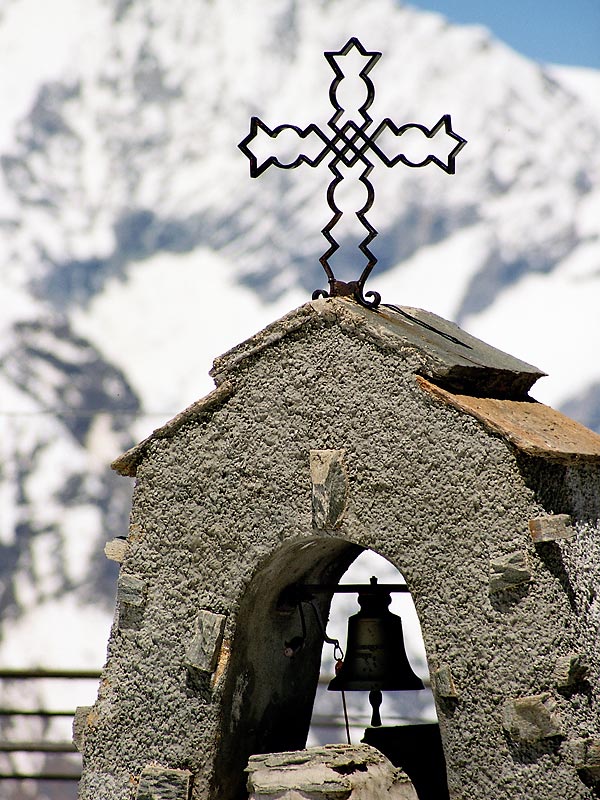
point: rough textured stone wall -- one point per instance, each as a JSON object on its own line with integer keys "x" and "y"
{"x": 224, "y": 518}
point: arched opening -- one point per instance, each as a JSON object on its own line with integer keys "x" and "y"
{"x": 409, "y": 735}
{"x": 268, "y": 697}
{"x": 273, "y": 677}
{"x": 399, "y": 708}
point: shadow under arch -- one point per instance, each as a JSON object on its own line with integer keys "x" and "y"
{"x": 268, "y": 697}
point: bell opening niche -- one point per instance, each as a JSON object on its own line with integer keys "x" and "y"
{"x": 401, "y": 723}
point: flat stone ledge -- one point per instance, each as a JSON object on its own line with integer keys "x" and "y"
{"x": 330, "y": 772}
{"x": 551, "y": 528}
{"x": 531, "y": 719}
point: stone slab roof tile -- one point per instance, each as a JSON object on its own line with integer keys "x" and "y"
{"x": 532, "y": 427}
{"x": 127, "y": 463}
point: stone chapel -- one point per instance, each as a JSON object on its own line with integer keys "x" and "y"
{"x": 338, "y": 429}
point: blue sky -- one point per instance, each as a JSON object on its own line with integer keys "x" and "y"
{"x": 553, "y": 31}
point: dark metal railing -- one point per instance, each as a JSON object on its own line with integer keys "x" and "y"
{"x": 71, "y": 770}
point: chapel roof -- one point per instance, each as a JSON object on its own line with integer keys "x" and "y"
{"x": 456, "y": 368}
{"x": 449, "y": 354}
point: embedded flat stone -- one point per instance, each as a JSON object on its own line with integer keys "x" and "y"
{"x": 79, "y": 726}
{"x": 203, "y": 650}
{"x": 570, "y": 670}
{"x": 507, "y": 572}
{"x": 531, "y": 719}
{"x": 131, "y": 590}
{"x": 329, "y": 488}
{"x": 586, "y": 754}
{"x": 551, "y": 528}
{"x": 131, "y": 596}
{"x": 443, "y": 682}
{"x": 157, "y": 783}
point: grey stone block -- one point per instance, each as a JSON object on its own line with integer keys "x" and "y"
{"x": 507, "y": 572}
{"x": 328, "y": 772}
{"x": 329, "y": 488}
{"x": 203, "y": 651}
{"x": 116, "y": 549}
{"x": 131, "y": 590}
{"x": 79, "y": 725}
{"x": 531, "y": 719}
{"x": 570, "y": 670}
{"x": 586, "y": 755}
{"x": 443, "y": 683}
{"x": 131, "y": 594}
{"x": 551, "y": 528}
{"x": 157, "y": 783}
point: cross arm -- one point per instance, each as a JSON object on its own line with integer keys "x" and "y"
{"x": 389, "y": 153}
{"x": 255, "y": 146}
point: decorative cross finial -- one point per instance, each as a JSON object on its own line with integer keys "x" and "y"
{"x": 350, "y": 144}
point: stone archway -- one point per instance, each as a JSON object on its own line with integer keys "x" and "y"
{"x": 268, "y": 697}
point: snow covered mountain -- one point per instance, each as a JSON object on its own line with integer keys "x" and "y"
{"x": 135, "y": 247}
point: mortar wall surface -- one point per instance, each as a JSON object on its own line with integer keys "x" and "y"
{"x": 429, "y": 489}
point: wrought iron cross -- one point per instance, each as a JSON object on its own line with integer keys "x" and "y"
{"x": 350, "y": 143}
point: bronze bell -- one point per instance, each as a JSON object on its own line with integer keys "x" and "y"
{"x": 375, "y": 656}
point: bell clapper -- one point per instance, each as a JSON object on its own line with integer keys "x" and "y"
{"x": 375, "y": 699}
